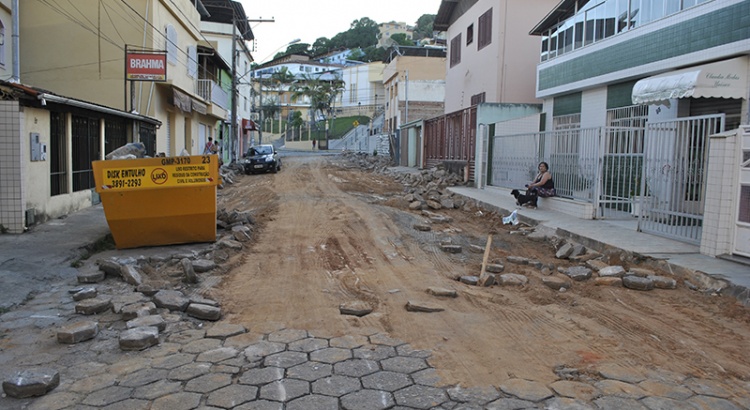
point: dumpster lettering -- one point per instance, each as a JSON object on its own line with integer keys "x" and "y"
{"x": 159, "y": 176}
{"x": 175, "y": 160}
{"x": 157, "y": 173}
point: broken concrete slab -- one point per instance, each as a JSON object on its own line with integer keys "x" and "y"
{"x": 139, "y": 338}
{"x": 357, "y": 308}
{"x": 135, "y": 310}
{"x": 442, "y": 292}
{"x": 131, "y": 275}
{"x": 172, "y": 300}
{"x": 417, "y": 306}
{"x": 31, "y": 383}
{"x": 93, "y": 306}
{"x": 150, "y": 320}
{"x": 204, "y": 312}
{"x": 77, "y": 332}
{"x": 612, "y": 271}
{"x": 188, "y": 270}
{"x": 85, "y": 293}
{"x": 637, "y": 283}
{"x": 578, "y": 273}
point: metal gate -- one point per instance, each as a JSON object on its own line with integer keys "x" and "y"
{"x": 742, "y": 227}
{"x": 674, "y": 169}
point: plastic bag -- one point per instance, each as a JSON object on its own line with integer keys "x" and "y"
{"x": 511, "y": 219}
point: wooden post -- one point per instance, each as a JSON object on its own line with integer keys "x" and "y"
{"x": 483, "y": 275}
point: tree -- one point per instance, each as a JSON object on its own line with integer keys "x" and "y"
{"x": 374, "y": 53}
{"x": 321, "y": 46}
{"x": 297, "y": 122}
{"x": 320, "y": 93}
{"x": 357, "y": 54}
{"x": 270, "y": 107}
{"x": 402, "y": 40}
{"x": 297, "y": 48}
{"x": 424, "y": 26}
{"x": 280, "y": 80}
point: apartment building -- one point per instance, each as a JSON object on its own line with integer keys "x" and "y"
{"x": 491, "y": 56}
{"x": 386, "y": 30}
{"x": 79, "y": 52}
{"x": 643, "y": 99}
{"x": 414, "y": 81}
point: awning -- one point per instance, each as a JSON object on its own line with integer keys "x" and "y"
{"x": 181, "y": 100}
{"x": 249, "y": 125}
{"x": 725, "y": 79}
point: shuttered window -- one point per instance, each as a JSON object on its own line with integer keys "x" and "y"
{"x": 485, "y": 30}
{"x": 455, "y": 50}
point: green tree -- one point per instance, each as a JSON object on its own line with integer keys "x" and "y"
{"x": 270, "y": 107}
{"x": 321, "y": 46}
{"x": 297, "y": 48}
{"x": 402, "y": 40}
{"x": 320, "y": 93}
{"x": 357, "y": 54}
{"x": 424, "y": 26}
{"x": 361, "y": 33}
{"x": 373, "y": 53}
{"x": 297, "y": 122}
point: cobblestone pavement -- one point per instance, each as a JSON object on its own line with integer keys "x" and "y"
{"x": 218, "y": 365}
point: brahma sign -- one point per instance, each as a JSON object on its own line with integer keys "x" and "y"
{"x": 146, "y": 66}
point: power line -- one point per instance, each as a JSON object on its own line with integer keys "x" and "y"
{"x": 70, "y": 66}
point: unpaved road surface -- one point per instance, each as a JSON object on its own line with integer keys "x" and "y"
{"x": 329, "y": 233}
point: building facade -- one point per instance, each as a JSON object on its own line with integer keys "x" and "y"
{"x": 491, "y": 56}
{"x": 364, "y": 92}
{"x": 414, "y": 86}
{"x": 87, "y": 63}
{"x": 642, "y": 92}
{"x": 386, "y": 30}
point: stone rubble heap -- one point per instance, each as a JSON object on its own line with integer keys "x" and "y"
{"x": 425, "y": 189}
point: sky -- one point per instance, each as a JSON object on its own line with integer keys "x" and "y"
{"x": 309, "y": 20}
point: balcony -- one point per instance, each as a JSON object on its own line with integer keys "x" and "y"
{"x": 210, "y": 91}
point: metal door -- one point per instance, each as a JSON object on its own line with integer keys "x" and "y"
{"x": 674, "y": 169}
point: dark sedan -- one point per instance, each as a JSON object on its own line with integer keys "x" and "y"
{"x": 261, "y": 158}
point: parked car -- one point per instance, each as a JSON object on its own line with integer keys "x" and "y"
{"x": 261, "y": 158}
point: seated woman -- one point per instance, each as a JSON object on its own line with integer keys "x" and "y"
{"x": 543, "y": 184}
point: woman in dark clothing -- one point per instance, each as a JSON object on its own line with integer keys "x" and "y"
{"x": 543, "y": 184}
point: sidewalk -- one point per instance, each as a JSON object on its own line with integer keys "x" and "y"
{"x": 622, "y": 234}
{"x": 32, "y": 260}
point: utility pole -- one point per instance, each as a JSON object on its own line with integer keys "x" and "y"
{"x": 233, "y": 124}
{"x": 233, "y": 144}
{"x": 406, "y": 97}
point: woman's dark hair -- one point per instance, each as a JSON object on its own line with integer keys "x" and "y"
{"x": 546, "y": 165}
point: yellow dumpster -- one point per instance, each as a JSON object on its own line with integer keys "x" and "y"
{"x": 159, "y": 201}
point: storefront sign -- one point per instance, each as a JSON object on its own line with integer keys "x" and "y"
{"x": 146, "y": 66}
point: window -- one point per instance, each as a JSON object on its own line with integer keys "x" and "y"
{"x": 485, "y": 30}
{"x": 455, "y": 50}
{"x": 171, "y": 45}
{"x": 2, "y": 43}
{"x": 192, "y": 52}
{"x": 469, "y": 34}
{"x": 58, "y": 155}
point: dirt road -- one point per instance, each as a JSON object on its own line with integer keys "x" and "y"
{"x": 329, "y": 234}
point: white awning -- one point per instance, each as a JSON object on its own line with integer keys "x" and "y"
{"x": 725, "y": 79}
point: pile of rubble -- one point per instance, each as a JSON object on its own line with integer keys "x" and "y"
{"x": 425, "y": 189}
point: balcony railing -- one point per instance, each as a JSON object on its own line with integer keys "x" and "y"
{"x": 210, "y": 91}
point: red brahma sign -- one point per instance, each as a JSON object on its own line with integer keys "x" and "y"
{"x": 146, "y": 66}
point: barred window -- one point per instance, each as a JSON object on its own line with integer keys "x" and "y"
{"x": 58, "y": 155}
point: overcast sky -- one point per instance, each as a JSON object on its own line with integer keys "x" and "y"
{"x": 310, "y": 20}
